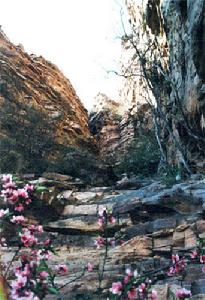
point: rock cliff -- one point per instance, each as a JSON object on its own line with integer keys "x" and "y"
{"x": 35, "y": 82}
{"x": 115, "y": 130}
{"x": 166, "y": 50}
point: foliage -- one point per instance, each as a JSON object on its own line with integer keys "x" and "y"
{"x": 171, "y": 175}
{"x": 141, "y": 157}
{"x": 26, "y": 139}
{"x": 81, "y": 164}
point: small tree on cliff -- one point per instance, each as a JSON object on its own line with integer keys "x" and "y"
{"x": 176, "y": 135}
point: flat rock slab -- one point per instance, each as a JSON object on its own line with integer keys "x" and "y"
{"x": 82, "y": 210}
{"x": 83, "y": 224}
{"x": 85, "y": 197}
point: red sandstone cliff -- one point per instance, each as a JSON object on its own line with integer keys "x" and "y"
{"x": 34, "y": 81}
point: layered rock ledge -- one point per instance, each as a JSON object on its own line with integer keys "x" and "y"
{"x": 154, "y": 221}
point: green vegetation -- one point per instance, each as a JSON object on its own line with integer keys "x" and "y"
{"x": 81, "y": 164}
{"x": 141, "y": 158}
{"x": 172, "y": 174}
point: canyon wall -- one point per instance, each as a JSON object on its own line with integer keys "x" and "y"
{"x": 167, "y": 68}
{"x": 114, "y": 126}
{"x": 35, "y": 82}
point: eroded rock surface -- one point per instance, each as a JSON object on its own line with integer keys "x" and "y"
{"x": 34, "y": 81}
{"x": 154, "y": 221}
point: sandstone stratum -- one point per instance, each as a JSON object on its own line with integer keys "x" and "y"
{"x": 34, "y": 81}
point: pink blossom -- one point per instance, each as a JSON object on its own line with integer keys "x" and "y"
{"x": 62, "y": 269}
{"x": 178, "y": 265}
{"x": 112, "y": 242}
{"x": 25, "y": 272}
{"x": 202, "y": 259}
{"x": 27, "y": 238}
{"x": 100, "y": 221}
{"x": 28, "y": 295}
{"x": 111, "y": 219}
{"x": 22, "y": 193}
{"x": 43, "y": 275}
{"x": 3, "y": 212}
{"x": 194, "y": 254}
{"x": 142, "y": 287}
{"x": 183, "y": 293}
{"x": 47, "y": 242}
{"x": 13, "y": 197}
{"x": 18, "y": 219}
{"x": 9, "y": 185}
{"x": 36, "y": 228}
{"x": 126, "y": 279}
{"x": 132, "y": 294}
{"x": 90, "y": 267}
{"x": 29, "y": 187}
{"x": 129, "y": 272}
{"x": 19, "y": 282}
{"x": 3, "y": 242}
{"x": 39, "y": 228}
{"x": 28, "y": 201}
{"x": 19, "y": 207}
{"x": 116, "y": 288}
{"x": 153, "y": 295}
{"x": 102, "y": 211}
{"x": 99, "y": 242}
{"x": 175, "y": 258}
{"x": 203, "y": 269}
{"x": 32, "y": 228}
{"x": 7, "y": 178}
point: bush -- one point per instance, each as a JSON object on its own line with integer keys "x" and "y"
{"x": 81, "y": 164}
{"x": 141, "y": 157}
{"x": 172, "y": 174}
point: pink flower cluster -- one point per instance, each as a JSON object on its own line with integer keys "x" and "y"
{"x": 177, "y": 265}
{"x": 200, "y": 257}
{"x": 33, "y": 276}
{"x": 3, "y": 212}
{"x": 99, "y": 242}
{"x": 14, "y": 195}
{"x": 30, "y": 279}
{"x": 62, "y": 269}
{"x": 105, "y": 217}
{"x": 23, "y": 284}
{"x": 196, "y": 255}
{"x": 131, "y": 289}
{"x": 183, "y": 293}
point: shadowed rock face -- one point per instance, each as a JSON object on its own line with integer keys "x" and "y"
{"x": 34, "y": 81}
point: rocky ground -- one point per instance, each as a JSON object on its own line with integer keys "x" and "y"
{"x": 153, "y": 220}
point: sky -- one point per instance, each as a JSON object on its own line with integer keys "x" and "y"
{"x": 80, "y": 36}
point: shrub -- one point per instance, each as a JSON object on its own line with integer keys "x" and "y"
{"x": 141, "y": 157}
{"x": 172, "y": 174}
{"x": 82, "y": 164}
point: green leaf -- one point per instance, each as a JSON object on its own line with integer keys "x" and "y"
{"x": 40, "y": 189}
{"x": 53, "y": 290}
